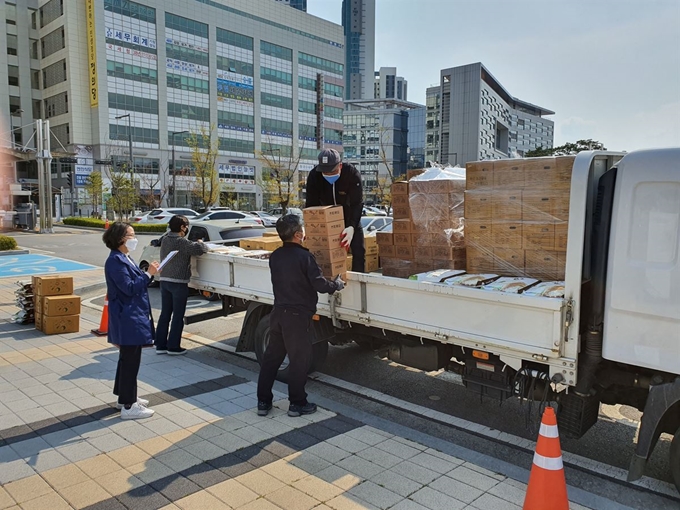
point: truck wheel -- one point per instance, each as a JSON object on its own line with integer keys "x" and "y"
{"x": 319, "y": 350}
{"x": 675, "y": 459}
{"x": 144, "y": 265}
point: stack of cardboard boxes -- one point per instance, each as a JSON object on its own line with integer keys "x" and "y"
{"x": 372, "y": 262}
{"x": 427, "y": 231}
{"x": 323, "y": 229}
{"x": 57, "y": 310}
{"x": 266, "y": 242}
{"x": 516, "y": 216}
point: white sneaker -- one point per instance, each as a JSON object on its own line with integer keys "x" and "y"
{"x": 136, "y": 412}
{"x": 141, "y": 401}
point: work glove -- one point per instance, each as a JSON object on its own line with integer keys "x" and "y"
{"x": 346, "y": 237}
{"x": 339, "y": 284}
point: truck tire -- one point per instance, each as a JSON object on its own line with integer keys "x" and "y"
{"x": 674, "y": 459}
{"x": 319, "y": 350}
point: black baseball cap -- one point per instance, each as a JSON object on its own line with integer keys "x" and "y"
{"x": 328, "y": 160}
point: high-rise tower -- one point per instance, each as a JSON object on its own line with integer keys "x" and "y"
{"x": 358, "y": 21}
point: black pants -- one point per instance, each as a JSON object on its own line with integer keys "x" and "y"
{"x": 125, "y": 385}
{"x": 358, "y": 249}
{"x": 289, "y": 332}
{"x": 173, "y": 305}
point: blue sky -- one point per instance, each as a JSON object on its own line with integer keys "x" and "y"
{"x": 610, "y": 69}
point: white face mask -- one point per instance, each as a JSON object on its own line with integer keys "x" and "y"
{"x": 131, "y": 244}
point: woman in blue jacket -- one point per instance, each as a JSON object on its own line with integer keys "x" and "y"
{"x": 130, "y": 323}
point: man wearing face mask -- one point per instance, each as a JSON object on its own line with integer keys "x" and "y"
{"x": 175, "y": 285}
{"x": 333, "y": 182}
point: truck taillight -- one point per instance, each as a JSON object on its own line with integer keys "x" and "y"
{"x": 480, "y": 355}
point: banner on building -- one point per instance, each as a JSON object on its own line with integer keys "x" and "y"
{"x": 92, "y": 55}
{"x": 232, "y": 90}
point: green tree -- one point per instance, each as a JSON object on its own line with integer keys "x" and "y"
{"x": 94, "y": 186}
{"x": 568, "y": 149}
{"x": 204, "y": 151}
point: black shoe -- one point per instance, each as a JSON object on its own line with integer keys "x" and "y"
{"x": 263, "y": 408}
{"x": 177, "y": 352}
{"x": 297, "y": 410}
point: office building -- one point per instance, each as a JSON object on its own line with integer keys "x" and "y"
{"x": 481, "y": 120}
{"x": 390, "y": 86}
{"x": 358, "y": 21}
{"x": 297, "y": 4}
{"x": 416, "y": 140}
{"x": 266, "y": 78}
{"x": 433, "y": 98}
{"x": 376, "y": 140}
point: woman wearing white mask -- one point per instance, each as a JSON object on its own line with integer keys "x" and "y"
{"x": 130, "y": 323}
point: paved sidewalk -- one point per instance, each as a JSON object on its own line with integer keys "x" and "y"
{"x": 63, "y": 445}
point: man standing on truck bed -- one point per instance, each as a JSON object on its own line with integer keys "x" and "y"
{"x": 333, "y": 182}
{"x": 296, "y": 279}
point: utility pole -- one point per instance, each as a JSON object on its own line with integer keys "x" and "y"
{"x": 44, "y": 159}
{"x": 174, "y": 170}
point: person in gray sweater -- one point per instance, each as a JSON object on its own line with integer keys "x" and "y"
{"x": 174, "y": 282}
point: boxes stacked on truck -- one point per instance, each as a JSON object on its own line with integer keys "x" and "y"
{"x": 516, "y": 216}
{"x": 57, "y": 309}
{"x": 372, "y": 262}
{"x": 323, "y": 228}
{"x": 269, "y": 243}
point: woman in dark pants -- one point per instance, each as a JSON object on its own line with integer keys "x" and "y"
{"x": 130, "y": 324}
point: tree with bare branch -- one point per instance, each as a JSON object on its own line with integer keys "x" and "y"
{"x": 280, "y": 173}
{"x": 204, "y": 151}
{"x": 94, "y": 187}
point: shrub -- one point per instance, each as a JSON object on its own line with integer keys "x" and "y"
{"x": 7, "y": 243}
{"x": 95, "y": 223}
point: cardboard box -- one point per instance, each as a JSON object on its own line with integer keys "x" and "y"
{"x": 270, "y": 234}
{"x": 479, "y": 174}
{"x": 400, "y": 200}
{"x": 52, "y": 285}
{"x": 507, "y": 205}
{"x": 322, "y": 228}
{"x": 422, "y": 252}
{"x": 507, "y": 234}
{"x": 435, "y": 225}
{"x": 260, "y": 243}
{"x": 61, "y": 324}
{"x": 323, "y": 214}
{"x": 421, "y": 238}
{"x": 542, "y": 264}
{"x": 388, "y": 250}
{"x": 333, "y": 269}
{"x": 508, "y": 174}
{"x": 538, "y": 206}
{"x": 561, "y": 231}
{"x": 321, "y": 241}
{"x": 402, "y": 226}
{"x": 508, "y": 261}
{"x": 537, "y": 236}
{"x": 349, "y": 262}
{"x": 440, "y": 239}
{"x": 479, "y": 260}
{"x": 410, "y": 174}
{"x": 563, "y": 168}
{"x": 384, "y": 238}
{"x": 55, "y": 306}
{"x": 435, "y": 186}
{"x": 371, "y": 263}
{"x": 372, "y": 249}
{"x": 370, "y": 241}
{"x": 444, "y": 252}
{"x": 403, "y": 252}
{"x": 330, "y": 256}
{"x": 401, "y": 212}
{"x": 429, "y": 205}
{"x": 399, "y": 188}
{"x": 478, "y": 232}
{"x": 561, "y": 205}
{"x": 38, "y": 321}
{"x": 478, "y": 205}
{"x": 402, "y": 239}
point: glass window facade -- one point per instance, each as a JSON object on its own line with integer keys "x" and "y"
{"x": 186, "y": 25}
{"x": 274, "y": 50}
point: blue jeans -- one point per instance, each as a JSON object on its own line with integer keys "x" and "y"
{"x": 173, "y": 305}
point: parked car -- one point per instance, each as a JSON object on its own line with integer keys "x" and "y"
{"x": 267, "y": 219}
{"x": 291, "y": 210}
{"x": 227, "y": 214}
{"x": 227, "y": 232}
{"x": 374, "y": 223}
{"x": 373, "y": 211}
{"x": 163, "y": 215}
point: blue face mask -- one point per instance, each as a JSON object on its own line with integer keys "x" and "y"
{"x": 331, "y": 178}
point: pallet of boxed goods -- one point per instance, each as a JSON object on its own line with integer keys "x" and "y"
{"x": 323, "y": 228}
{"x": 516, "y": 216}
{"x": 57, "y": 309}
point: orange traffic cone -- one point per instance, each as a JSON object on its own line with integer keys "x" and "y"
{"x": 547, "y": 485}
{"x": 104, "y": 322}
{"x": 106, "y": 224}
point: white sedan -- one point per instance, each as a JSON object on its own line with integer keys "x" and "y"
{"x": 159, "y": 216}
{"x": 373, "y": 223}
{"x": 227, "y": 214}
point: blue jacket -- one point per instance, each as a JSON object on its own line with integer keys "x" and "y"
{"x": 129, "y": 306}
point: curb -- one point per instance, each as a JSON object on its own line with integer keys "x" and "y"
{"x": 86, "y": 289}
{"x": 95, "y": 229}
{"x": 14, "y": 252}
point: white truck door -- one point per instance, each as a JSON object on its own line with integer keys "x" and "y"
{"x": 642, "y": 305}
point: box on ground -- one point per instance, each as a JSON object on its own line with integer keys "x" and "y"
{"x": 52, "y": 285}
{"x": 57, "y": 325}
{"x": 55, "y": 306}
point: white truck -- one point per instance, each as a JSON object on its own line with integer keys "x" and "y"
{"x": 613, "y": 338}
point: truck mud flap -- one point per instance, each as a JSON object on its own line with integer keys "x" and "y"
{"x": 427, "y": 357}
{"x": 254, "y": 315}
{"x": 663, "y": 401}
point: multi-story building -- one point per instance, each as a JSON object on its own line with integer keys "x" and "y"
{"x": 358, "y": 21}
{"x": 377, "y": 139}
{"x": 416, "y": 137}
{"x": 390, "y": 86}
{"x": 297, "y": 4}
{"x": 259, "y": 76}
{"x": 479, "y": 119}
{"x": 433, "y": 100}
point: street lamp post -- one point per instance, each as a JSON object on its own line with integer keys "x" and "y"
{"x": 131, "y": 163}
{"x": 174, "y": 170}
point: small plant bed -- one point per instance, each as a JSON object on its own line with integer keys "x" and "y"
{"x": 96, "y": 223}
{"x": 7, "y": 243}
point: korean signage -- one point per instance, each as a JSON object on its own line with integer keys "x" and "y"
{"x": 236, "y": 128}
{"x": 235, "y": 77}
{"x": 175, "y": 42}
{"x": 121, "y": 35}
{"x": 236, "y": 170}
{"x": 92, "y": 55}
{"x": 232, "y": 90}
{"x": 130, "y": 51}
{"x": 187, "y": 67}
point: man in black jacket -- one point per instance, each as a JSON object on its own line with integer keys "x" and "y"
{"x": 296, "y": 279}
{"x": 333, "y": 182}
